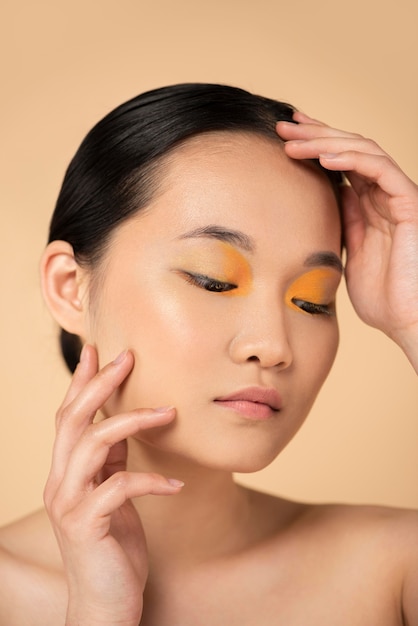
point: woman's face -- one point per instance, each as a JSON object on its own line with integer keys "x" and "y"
{"x": 224, "y": 290}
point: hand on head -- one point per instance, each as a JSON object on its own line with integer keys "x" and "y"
{"x": 380, "y": 215}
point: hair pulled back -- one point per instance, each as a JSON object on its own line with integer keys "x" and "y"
{"x": 114, "y": 173}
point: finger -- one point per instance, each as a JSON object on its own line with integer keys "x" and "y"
{"x": 311, "y": 130}
{"x": 354, "y": 223}
{"x": 312, "y": 148}
{"x": 91, "y": 396}
{"x": 84, "y": 372}
{"x": 303, "y": 118}
{"x": 91, "y": 452}
{"x": 91, "y": 518}
{"x": 74, "y": 418}
{"x": 378, "y": 169}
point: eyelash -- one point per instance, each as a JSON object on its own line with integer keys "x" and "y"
{"x": 210, "y": 284}
{"x": 219, "y": 286}
{"x": 312, "y": 308}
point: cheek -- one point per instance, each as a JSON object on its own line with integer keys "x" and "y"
{"x": 317, "y": 349}
{"x": 172, "y": 329}
{"x": 174, "y": 336}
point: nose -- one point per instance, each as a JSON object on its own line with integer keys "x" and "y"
{"x": 263, "y": 338}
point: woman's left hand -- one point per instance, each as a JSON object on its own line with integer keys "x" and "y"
{"x": 380, "y": 214}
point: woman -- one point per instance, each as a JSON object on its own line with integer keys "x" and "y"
{"x": 198, "y": 236}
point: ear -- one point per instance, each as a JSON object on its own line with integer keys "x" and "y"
{"x": 64, "y": 285}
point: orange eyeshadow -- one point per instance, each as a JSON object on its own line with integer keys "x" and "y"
{"x": 222, "y": 262}
{"x": 317, "y": 286}
{"x": 236, "y": 270}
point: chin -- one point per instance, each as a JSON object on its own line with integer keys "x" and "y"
{"x": 249, "y": 465}
{"x": 239, "y": 460}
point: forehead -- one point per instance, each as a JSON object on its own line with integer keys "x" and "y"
{"x": 248, "y": 181}
{"x": 241, "y": 182}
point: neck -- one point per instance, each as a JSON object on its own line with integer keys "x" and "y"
{"x": 210, "y": 518}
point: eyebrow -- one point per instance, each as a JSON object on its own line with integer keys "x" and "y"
{"x": 329, "y": 259}
{"x": 237, "y": 237}
{"x": 222, "y": 234}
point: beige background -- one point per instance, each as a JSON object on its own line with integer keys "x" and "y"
{"x": 65, "y": 64}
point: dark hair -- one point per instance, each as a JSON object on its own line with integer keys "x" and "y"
{"x": 113, "y": 173}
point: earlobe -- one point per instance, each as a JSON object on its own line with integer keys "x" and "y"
{"x": 64, "y": 286}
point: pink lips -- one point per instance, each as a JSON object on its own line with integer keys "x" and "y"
{"x": 257, "y": 403}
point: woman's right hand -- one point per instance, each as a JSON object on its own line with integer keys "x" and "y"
{"x": 88, "y": 497}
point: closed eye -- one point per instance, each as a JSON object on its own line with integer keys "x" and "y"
{"x": 208, "y": 283}
{"x": 312, "y": 308}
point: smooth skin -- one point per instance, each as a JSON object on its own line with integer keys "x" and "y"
{"x": 216, "y": 553}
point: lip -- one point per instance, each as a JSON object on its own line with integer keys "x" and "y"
{"x": 257, "y": 403}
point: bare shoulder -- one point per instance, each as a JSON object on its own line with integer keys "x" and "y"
{"x": 371, "y": 528}
{"x": 32, "y": 589}
{"x": 397, "y": 533}
{"x": 364, "y": 518}
{"x": 342, "y": 564}
{"x": 381, "y": 542}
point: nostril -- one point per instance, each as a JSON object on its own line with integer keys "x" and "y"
{"x": 264, "y": 352}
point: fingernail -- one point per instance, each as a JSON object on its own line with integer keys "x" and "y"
{"x": 163, "y": 409}
{"x": 175, "y": 483}
{"x": 286, "y": 125}
{"x": 121, "y": 357}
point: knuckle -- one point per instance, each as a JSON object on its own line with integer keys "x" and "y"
{"x": 54, "y": 510}
{"x": 63, "y": 414}
{"x": 119, "y": 480}
{"x": 71, "y": 525}
{"x": 382, "y": 163}
{"x": 92, "y": 436}
{"x": 57, "y": 504}
{"x": 154, "y": 477}
{"x": 58, "y": 413}
{"x": 154, "y": 481}
{"x": 386, "y": 159}
{"x": 68, "y": 520}
{"x": 47, "y": 497}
